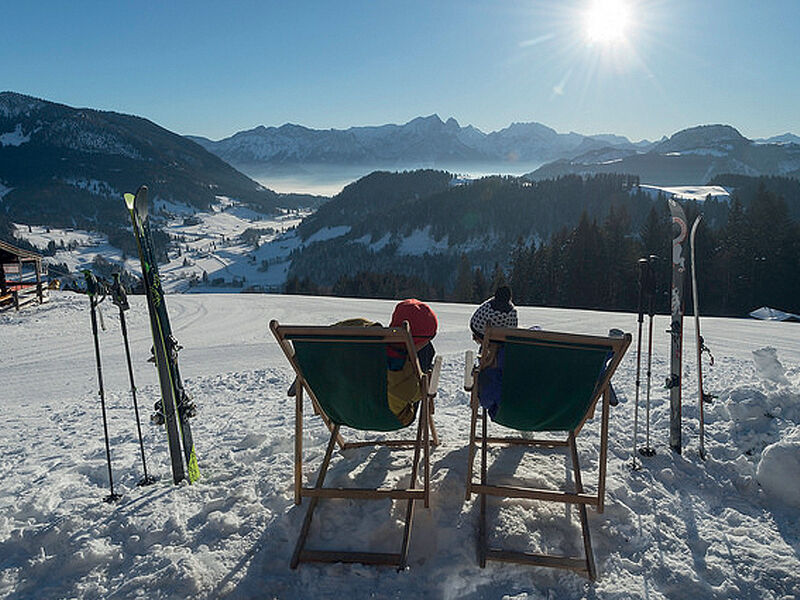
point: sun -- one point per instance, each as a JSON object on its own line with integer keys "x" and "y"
{"x": 606, "y": 21}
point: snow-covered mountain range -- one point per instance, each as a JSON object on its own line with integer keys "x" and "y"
{"x": 691, "y": 156}
{"x": 423, "y": 141}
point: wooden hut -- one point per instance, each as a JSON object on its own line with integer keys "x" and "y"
{"x": 22, "y": 276}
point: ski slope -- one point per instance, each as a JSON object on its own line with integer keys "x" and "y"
{"x": 678, "y": 528}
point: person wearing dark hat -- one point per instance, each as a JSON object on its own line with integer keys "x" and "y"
{"x": 497, "y": 311}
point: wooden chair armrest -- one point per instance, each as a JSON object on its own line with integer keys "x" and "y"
{"x": 433, "y": 381}
{"x": 469, "y": 379}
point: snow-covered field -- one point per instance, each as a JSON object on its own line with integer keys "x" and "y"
{"x": 677, "y": 528}
{"x": 207, "y": 243}
{"x": 696, "y": 193}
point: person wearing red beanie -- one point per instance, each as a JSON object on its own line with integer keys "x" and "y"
{"x": 403, "y": 390}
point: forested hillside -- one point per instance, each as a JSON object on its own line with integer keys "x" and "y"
{"x": 374, "y": 195}
{"x": 572, "y": 241}
{"x": 424, "y": 236}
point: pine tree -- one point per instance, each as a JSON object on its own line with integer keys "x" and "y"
{"x": 583, "y": 264}
{"x": 619, "y": 256}
{"x": 733, "y": 259}
{"x": 656, "y": 240}
{"x": 520, "y": 274}
{"x": 774, "y": 262}
{"x": 498, "y": 278}
{"x": 479, "y": 286}
{"x": 462, "y": 291}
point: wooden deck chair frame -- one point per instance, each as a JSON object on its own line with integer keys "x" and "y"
{"x": 426, "y": 437}
{"x": 586, "y": 565}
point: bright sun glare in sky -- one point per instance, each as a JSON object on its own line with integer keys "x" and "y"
{"x": 606, "y": 21}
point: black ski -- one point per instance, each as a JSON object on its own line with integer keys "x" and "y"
{"x": 175, "y": 404}
{"x": 674, "y": 382}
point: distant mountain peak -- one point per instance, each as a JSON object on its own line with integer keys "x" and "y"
{"x": 717, "y": 138}
{"x": 452, "y": 126}
{"x": 529, "y": 127}
{"x": 430, "y": 119}
{"x": 691, "y": 156}
{"x": 784, "y": 138}
{"x": 716, "y": 132}
{"x": 13, "y": 104}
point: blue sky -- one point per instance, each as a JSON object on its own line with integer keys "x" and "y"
{"x": 214, "y": 68}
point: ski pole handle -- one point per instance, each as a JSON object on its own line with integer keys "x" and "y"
{"x": 651, "y": 284}
{"x": 118, "y": 294}
{"x": 642, "y": 262}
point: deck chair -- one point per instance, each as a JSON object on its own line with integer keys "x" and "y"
{"x": 344, "y": 372}
{"x": 550, "y": 382}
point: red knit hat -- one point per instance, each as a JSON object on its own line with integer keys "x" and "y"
{"x": 420, "y": 317}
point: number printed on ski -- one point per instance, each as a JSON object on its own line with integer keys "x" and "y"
{"x": 674, "y": 381}
{"x": 174, "y": 402}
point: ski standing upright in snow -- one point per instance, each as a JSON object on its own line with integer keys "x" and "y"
{"x": 674, "y": 381}
{"x": 175, "y": 405}
{"x": 94, "y": 289}
{"x": 700, "y": 343}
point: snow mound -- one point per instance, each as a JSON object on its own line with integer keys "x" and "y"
{"x": 779, "y": 469}
{"x": 768, "y": 366}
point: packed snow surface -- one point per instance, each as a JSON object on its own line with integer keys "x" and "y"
{"x": 696, "y": 193}
{"x": 678, "y": 528}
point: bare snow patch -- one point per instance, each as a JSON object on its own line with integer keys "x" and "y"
{"x": 328, "y": 233}
{"x": 381, "y": 243}
{"x": 376, "y": 246}
{"x": 698, "y": 193}
{"x": 420, "y": 242}
{"x": 4, "y": 190}
{"x": 93, "y": 186}
{"x": 14, "y": 138}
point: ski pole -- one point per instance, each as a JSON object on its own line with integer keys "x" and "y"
{"x": 642, "y": 264}
{"x": 93, "y": 288}
{"x": 648, "y": 450}
{"x": 120, "y": 299}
